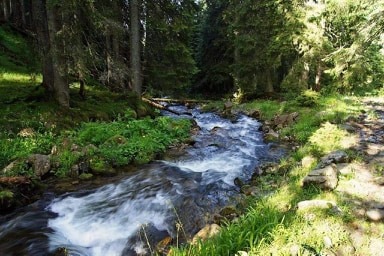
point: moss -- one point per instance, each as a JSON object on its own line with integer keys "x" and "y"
{"x": 6, "y": 195}
{"x": 85, "y": 176}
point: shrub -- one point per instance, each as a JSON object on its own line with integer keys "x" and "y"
{"x": 308, "y": 98}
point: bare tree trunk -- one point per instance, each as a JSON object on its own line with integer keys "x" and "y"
{"x": 108, "y": 56}
{"x": 304, "y": 75}
{"x": 319, "y": 73}
{"x": 135, "y": 47}
{"x": 269, "y": 81}
{"x": 5, "y": 10}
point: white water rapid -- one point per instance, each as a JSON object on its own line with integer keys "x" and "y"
{"x": 123, "y": 218}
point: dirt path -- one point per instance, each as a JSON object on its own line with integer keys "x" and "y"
{"x": 362, "y": 185}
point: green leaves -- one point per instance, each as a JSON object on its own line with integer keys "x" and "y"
{"x": 120, "y": 143}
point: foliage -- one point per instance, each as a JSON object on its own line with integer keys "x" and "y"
{"x": 258, "y": 43}
{"x": 169, "y": 57}
{"x": 308, "y": 98}
{"x": 120, "y": 143}
{"x": 214, "y": 51}
{"x": 14, "y": 146}
{"x": 5, "y": 195}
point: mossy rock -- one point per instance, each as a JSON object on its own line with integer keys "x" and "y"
{"x": 101, "y": 168}
{"x": 144, "y": 110}
{"x": 7, "y": 200}
{"x": 130, "y": 114}
{"x": 86, "y": 176}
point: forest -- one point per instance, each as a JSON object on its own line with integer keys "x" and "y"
{"x": 243, "y": 48}
{"x": 97, "y": 92}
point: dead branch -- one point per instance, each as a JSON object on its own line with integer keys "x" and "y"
{"x": 183, "y": 101}
{"x": 161, "y": 107}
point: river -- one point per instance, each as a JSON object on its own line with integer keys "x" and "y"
{"x": 161, "y": 199}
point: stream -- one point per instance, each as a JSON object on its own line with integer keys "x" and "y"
{"x": 162, "y": 199}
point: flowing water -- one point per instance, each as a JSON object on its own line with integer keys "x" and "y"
{"x": 162, "y": 199}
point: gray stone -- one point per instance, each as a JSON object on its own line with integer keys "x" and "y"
{"x": 321, "y": 204}
{"x": 325, "y": 178}
{"x": 349, "y": 128}
{"x": 255, "y": 114}
{"x": 271, "y": 135}
{"x": 41, "y": 164}
{"x": 375, "y": 214}
{"x": 335, "y": 157}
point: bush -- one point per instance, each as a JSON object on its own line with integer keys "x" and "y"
{"x": 308, "y": 98}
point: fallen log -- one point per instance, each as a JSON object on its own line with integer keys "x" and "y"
{"x": 161, "y": 107}
{"x": 16, "y": 180}
{"x": 180, "y": 100}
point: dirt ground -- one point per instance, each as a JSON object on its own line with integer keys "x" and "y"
{"x": 362, "y": 184}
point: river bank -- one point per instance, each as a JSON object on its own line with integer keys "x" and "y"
{"x": 286, "y": 218}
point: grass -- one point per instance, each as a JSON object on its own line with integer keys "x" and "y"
{"x": 272, "y": 225}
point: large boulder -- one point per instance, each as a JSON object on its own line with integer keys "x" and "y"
{"x": 325, "y": 178}
{"x": 281, "y": 121}
{"x": 41, "y": 164}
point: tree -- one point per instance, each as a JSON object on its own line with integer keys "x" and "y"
{"x": 214, "y": 51}
{"x": 168, "y": 55}
{"x": 256, "y": 28}
{"x": 135, "y": 47}
{"x": 45, "y": 18}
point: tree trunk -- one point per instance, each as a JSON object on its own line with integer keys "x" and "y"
{"x": 5, "y": 10}
{"x": 16, "y": 14}
{"x": 60, "y": 85}
{"x": 269, "y": 81}
{"x": 304, "y": 76}
{"x": 22, "y": 9}
{"x": 136, "y": 79}
{"x": 2, "y": 18}
{"x": 319, "y": 73}
{"x": 108, "y": 56}
{"x": 39, "y": 15}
